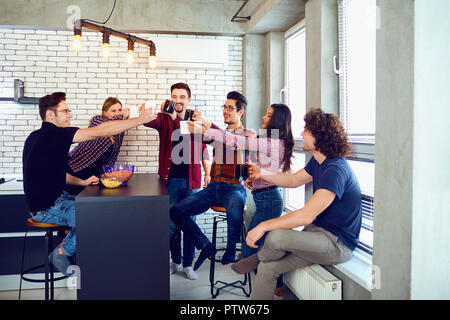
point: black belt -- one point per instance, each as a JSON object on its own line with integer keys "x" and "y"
{"x": 263, "y": 189}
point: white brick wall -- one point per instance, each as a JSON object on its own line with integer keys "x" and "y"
{"x": 44, "y": 59}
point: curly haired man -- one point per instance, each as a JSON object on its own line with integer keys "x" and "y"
{"x": 331, "y": 217}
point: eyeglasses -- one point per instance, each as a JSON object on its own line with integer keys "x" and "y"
{"x": 228, "y": 108}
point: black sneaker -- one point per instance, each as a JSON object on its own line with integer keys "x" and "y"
{"x": 229, "y": 255}
{"x": 206, "y": 252}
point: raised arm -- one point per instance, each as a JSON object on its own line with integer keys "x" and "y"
{"x": 242, "y": 142}
{"x": 111, "y": 128}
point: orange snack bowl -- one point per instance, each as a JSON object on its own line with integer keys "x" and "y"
{"x": 121, "y": 172}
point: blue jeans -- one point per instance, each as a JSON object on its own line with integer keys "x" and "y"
{"x": 229, "y": 195}
{"x": 269, "y": 205}
{"x": 178, "y": 189}
{"x": 62, "y": 213}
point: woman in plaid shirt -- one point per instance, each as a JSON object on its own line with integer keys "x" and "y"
{"x": 87, "y": 158}
{"x": 273, "y": 151}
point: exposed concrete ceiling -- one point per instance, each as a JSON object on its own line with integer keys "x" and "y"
{"x": 159, "y": 16}
{"x": 273, "y": 15}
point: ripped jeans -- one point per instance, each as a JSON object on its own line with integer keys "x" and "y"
{"x": 62, "y": 213}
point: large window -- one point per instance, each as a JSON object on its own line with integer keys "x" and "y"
{"x": 295, "y": 98}
{"x": 357, "y": 21}
{"x": 357, "y": 70}
{"x": 357, "y": 43}
{"x": 365, "y": 171}
{"x": 295, "y": 91}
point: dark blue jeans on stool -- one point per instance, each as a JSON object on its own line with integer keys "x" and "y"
{"x": 229, "y": 195}
{"x": 178, "y": 189}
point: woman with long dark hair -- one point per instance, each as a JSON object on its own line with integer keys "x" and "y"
{"x": 272, "y": 150}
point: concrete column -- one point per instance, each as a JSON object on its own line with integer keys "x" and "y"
{"x": 321, "y": 46}
{"x": 254, "y": 78}
{"x": 275, "y": 67}
{"x": 411, "y": 240}
{"x": 263, "y": 60}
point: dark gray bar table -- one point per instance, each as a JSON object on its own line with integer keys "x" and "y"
{"x": 123, "y": 240}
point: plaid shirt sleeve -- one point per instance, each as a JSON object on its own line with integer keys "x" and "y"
{"x": 267, "y": 146}
{"x": 86, "y": 153}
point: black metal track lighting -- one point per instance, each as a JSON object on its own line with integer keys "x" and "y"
{"x": 79, "y": 24}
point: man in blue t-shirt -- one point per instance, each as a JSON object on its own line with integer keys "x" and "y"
{"x": 331, "y": 217}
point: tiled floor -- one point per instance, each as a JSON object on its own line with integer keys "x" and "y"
{"x": 180, "y": 288}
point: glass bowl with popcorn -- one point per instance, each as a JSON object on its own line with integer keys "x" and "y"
{"x": 110, "y": 182}
{"x": 121, "y": 172}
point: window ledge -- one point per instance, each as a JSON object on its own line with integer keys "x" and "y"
{"x": 358, "y": 268}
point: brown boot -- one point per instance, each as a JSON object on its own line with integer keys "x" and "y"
{"x": 246, "y": 265}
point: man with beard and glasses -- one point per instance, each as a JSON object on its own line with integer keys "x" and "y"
{"x": 181, "y": 172}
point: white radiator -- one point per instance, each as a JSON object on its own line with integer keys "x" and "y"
{"x": 314, "y": 283}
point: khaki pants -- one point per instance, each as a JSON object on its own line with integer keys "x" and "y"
{"x": 287, "y": 250}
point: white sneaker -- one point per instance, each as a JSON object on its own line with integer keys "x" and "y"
{"x": 174, "y": 267}
{"x": 190, "y": 273}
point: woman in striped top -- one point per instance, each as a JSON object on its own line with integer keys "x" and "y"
{"x": 87, "y": 158}
{"x": 273, "y": 151}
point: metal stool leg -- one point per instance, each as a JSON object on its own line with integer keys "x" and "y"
{"x": 46, "y": 263}
{"x": 212, "y": 266}
{"x": 21, "y": 264}
{"x": 51, "y": 269}
{"x": 236, "y": 284}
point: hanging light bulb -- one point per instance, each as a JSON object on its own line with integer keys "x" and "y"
{"x": 152, "y": 58}
{"x": 130, "y": 52}
{"x": 76, "y": 44}
{"x": 105, "y": 50}
{"x": 105, "y": 45}
{"x": 130, "y": 56}
{"x": 152, "y": 62}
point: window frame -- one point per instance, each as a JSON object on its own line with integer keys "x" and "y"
{"x": 363, "y": 145}
{"x": 294, "y": 31}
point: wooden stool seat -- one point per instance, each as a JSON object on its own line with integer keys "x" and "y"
{"x": 36, "y": 224}
{"x": 222, "y": 209}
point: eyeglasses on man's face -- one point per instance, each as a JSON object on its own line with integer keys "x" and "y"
{"x": 228, "y": 108}
{"x": 66, "y": 111}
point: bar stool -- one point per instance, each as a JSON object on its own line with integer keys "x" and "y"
{"x": 49, "y": 278}
{"x": 241, "y": 284}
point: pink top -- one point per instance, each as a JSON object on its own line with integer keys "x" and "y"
{"x": 269, "y": 152}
